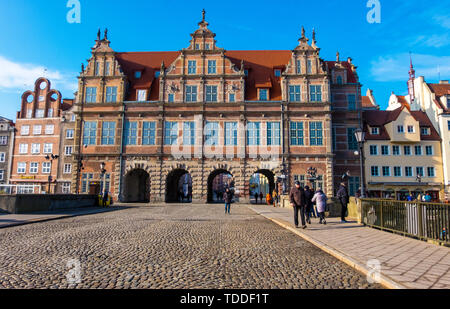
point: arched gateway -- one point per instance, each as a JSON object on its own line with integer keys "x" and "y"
{"x": 179, "y": 187}
{"x": 137, "y": 187}
{"x": 218, "y": 181}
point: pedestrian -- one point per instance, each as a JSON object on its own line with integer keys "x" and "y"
{"x": 256, "y": 198}
{"x": 309, "y": 204}
{"x": 228, "y": 197}
{"x": 275, "y": 198}
{"x": 321, "y": 202}
{"x": 297, "y": 199}
{"x": 344, "y": 199}
{"x": 428, "y": 198}
{"x": 105, "y": 198}
{"x": 261, "y": 197}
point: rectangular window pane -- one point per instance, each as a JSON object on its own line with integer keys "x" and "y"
{"x": 130, "y": 133}
{"x": 351, "y": 102}
{"x": 315, "y": 133}
{"x": 111, "y": 94}
{"x": 212, "y": 133}
{"x": 273, "y": 134}
{"x": 211, "y": 66}
{"x": 231, "y": 133}
{"x": 294, "y": 94}
{"x": 263, "y": 94}
{"x": 91, "y": 94}
{"x": 192, "y": 67}
{"x": 351, "y": 139}
{"x": 149, "y": 133}
{"x": 108, "y": 133}
{"x": 253, "y": 134}
{"x": 90, "y": 133}
{"x": 170, "y": 133}
{"x": 189, "y": 133}
{"x": 211, "y": 93}
{"x": 191, "y": 93}
{"x": 315, "y": 93}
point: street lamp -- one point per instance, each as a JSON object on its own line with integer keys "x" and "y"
{"x": 312, "y": 173}
{"x": 361, "y": 139}
{"x": 103, "y": 172}
{"x": 50, "y": 158}
{"x": 419, "y": 178}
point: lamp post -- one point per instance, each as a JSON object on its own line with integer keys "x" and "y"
{"x": 50, "y": 158}
{"x": 284, "y": 179}
{"x": 361, "y": 139}
{"x": 312, "y": 173}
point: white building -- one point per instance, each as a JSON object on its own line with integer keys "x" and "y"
{"x": 434, "y": 100}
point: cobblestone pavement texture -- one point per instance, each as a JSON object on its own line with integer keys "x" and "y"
{"x": 168, "y": 246}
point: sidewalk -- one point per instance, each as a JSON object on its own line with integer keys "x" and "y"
{"x": 10, "y": 220}
{"x": 405, "y": 262}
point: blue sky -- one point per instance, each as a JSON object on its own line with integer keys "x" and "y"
{"x": 37, "y": 40}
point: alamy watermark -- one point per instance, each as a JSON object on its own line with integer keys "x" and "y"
{"x": 74, "y": 274}
{"x": 374, "y": 15}
{"x": 74, "y": 14}
{"x": 374, "y": 274}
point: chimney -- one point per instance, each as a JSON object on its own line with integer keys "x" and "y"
{"x": 443, "y": 82}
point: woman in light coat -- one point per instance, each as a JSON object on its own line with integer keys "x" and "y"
{"x": 321, "y": 203}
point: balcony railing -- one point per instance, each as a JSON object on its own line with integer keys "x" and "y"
{"x": 424, "y": 221}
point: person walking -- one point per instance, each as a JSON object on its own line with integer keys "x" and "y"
{"x": 261, "y": 196}
{"x": 309, "y": 204}
{"x": 275, "y": 198}
{"x": 321, "y": 202}
{"x": 344, "y": 199}
{"x": 105, "y": 198}
{"x": 297, "y": 199}
{"x": 228, "y": 197}
{"x": 256, "y": 198}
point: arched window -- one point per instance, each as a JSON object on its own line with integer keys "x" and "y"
{"x": 339, "y": 80}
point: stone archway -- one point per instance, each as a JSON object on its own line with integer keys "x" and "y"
{"x": 179, "y": 186}
{"x": 217, "y": 183}
{"x": 137, "y": 186}
{"x": 263, "y": 181}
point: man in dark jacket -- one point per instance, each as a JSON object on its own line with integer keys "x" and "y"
{"x": 228, "y": 197}
{"x": 309, "y": 205}
{"x": 297, "y": 198}
{"x": 344, "y": 199}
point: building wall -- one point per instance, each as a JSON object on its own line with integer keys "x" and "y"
{"x": 6, "y": 147}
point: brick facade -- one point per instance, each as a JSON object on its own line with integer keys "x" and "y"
{"x": 126, "y": 102}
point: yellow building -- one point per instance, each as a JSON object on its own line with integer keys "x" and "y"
{"x": 402, "y": 154}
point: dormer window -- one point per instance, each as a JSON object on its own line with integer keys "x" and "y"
{"x": 425, "y": 131}
{"x": 138, "y": 74}
{"x": 375, "y": 131}
{"x": 263, "y": 94}
{"x": 277, "y": 73}
{"x": 108, "y": 69}
{"x": 410, "y": 129}
{"x": 400, "y": 129}
{"x": 142, "y": 95}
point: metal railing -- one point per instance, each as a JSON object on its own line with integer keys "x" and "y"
{"x": 425, "y": 221}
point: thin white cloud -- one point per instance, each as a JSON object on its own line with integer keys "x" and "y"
{"x": 442, "y": 20}
{"x": 392, "y": 68}
{"x": 435, "y": 40}
{"x": 20, "y": 77}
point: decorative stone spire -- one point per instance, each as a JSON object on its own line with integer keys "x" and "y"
{"x": 106, "y": 34}
{"x": 203, "y": 24}
{"x": 412, "y": 77}
{"x": 337, "y": 57}
{"x": 303, "y": 33}
{"x": 313, "y": 43}
{"x": 203, "y": 15}
{"x": 82, "y": 68}
{"x": 98, "y": 34}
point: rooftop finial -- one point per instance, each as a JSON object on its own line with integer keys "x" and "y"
{"x": 203, "y": 15}
{"x": 106, "y": 33}
{"x": 314, "y": 35}
{"x": 98, "y": 34}
{"x": 337, "y": 57}
{"x": 303, "y": 32}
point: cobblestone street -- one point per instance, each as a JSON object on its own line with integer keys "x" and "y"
{"x": 168, "y": 246}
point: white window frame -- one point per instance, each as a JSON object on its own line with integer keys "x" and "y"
{"x": 66, "y": 148}
{"x": 70, "y": 136}
{"x": 3, "y": 140}
{"x": 46, "y": 167}
{"x": 34, "y": 167}
{"x": 141, "y": 95}
{"x": 21, "y": 168}
{"x": 25, "y": 130}
{"x": 35, "y": 148}
{"x": 36, "y": 131}
{"x": 40, "y": 113}
{"x": 67, "y": 168}
{"x": 23, "y": 148}
{"x": 48, "y": 148}
{"x": 2, "y": 157}
{"x": 2, "y": 175}
{"x": 49, "y": 129}
{"x": 65, "y": 187}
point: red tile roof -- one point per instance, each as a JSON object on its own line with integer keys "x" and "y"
{"x": 259, "y": 63}
{"x": 381, "y": 118}
{"x": 367, "y": 103}
{"x": 440, "y": 89}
